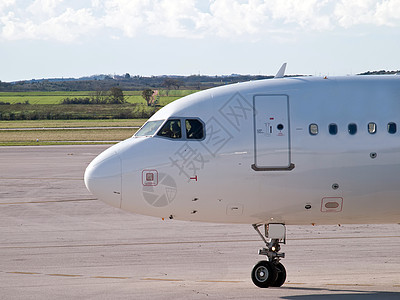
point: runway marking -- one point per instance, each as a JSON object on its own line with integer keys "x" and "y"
{"x": 38, "y": 178}
{"x": 162, "y": 279}
{"x": 110, "y": 277}
{"x": 64, "y": 275}
{"x": 67, "y": 275}
{"x": 182, "y": 243}
{"x": 348, "y": 284}
{"x": 347, "y": 237}
{"x": 221, "y": 281}
{"x": 46, "y": 201}
{"x": 184, "y": 280}
{"x": 24, "y": 273}
{"x": 123, "y": 244}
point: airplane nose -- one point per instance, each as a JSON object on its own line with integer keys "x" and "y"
{"x": 103, "y": 178}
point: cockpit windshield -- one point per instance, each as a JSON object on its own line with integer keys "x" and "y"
{"x": 149, "y": 129}
{"x": 171, "y": 129}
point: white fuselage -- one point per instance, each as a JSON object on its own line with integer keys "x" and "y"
{"x": 269, "y": 154}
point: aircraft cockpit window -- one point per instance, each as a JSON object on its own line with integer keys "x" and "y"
{"x": 333, "y": 129}
{"x": 352, "y": 128}
{"x": 171, "y": 129}
{"x": 392, "y": 128}
{"x": 313, "y": 129}
{"x": 149, "y": 129}
{"x": 194, "y": 129}
{"x": 371, "y": 127}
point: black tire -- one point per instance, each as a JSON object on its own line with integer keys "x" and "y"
{"x": 264, "y": 274}
{"x": 281, "y": 272}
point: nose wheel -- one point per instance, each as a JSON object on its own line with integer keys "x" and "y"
{"x": 270, "y": 273}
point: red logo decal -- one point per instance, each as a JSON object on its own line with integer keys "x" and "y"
{"x": 149, "y": 177}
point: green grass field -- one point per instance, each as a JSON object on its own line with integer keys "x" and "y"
{"x": 45, "y": 111}
{"x": 67, "y": 132}
{"x": 66, "y": 135}
{"x": 57, "y": 97}
{"x": 75, "y": 111}
{"x": 71, "y": 123}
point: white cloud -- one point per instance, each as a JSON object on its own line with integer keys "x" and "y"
{"x": 245, "y": 19}
{"x": 68, "y": 26}
{"x": 44, "y": 7}
{"x": 177, "y": 18}
{"x": 180, "y": 18}
{"x": 65, "y": 27}
{"x": 307, "y": 14}
{"x": 358, "y": 12}
{"x": 6, "y": 3}
{"x": 388, "y": 13}
{"x": 125, "y": 15}
{"x": 96, "y": 3}
{"x": 11, "y": 27}
{"x": 349, "y": 13}
{"x": 223, "y": 18}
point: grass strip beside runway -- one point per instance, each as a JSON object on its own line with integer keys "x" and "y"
{"x": 63, "y": 132}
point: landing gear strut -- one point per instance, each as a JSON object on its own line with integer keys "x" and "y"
{"x": 270, "y": 273}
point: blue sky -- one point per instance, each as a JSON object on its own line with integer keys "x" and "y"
{"x": 74, "y": 38}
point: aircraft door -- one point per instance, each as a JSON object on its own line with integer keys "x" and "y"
{"x": 271, "y": 133}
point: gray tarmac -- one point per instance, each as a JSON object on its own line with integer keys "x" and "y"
{"x": 58, "y": 242}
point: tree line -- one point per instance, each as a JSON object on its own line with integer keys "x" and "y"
{"x": 131, "y": 83}
{"x": 75, "y": 112}
{"x": 136, "y": 83}
{"x": 113, "y": 96}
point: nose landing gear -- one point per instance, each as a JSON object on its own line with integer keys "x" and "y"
{"x": 270, "y": 273}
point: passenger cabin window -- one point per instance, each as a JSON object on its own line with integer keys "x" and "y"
{"x": 371, "y": 128}
{"x": 333, "y": 129}
{"x": 313, "y": 129}
{"x": 352, "y": 128}
{"x": 392, "y": 128}
{"x": 194, "y": 129}
{"x": 171, "y": 129}
{"x": 150, "y": 128}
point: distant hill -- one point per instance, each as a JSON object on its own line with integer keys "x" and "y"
{"x": 381, "y": 72}
{"x": 128, "y": 83}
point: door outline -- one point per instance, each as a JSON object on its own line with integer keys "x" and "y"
{"x": 290, "y": 165}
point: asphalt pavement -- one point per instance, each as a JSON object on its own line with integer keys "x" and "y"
{"x": 59, "y": 242}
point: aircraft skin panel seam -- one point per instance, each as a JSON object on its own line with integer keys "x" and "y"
{"x": 291, "y": 165}
{"x": 289, "y": 168}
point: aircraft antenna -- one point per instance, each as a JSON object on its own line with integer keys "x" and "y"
{"x": 281, "y": 72}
